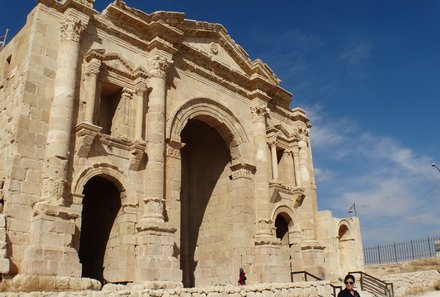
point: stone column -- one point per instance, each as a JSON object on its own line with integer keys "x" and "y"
{"x": 50, "y": 251}
{"x": 267, "y": 260}
{"x": 60, "y": 119}
{"x": 154, "y": 202}
{"x": 288, "y": 165}
{"x": 304, "y": 163}
{"x": 155, "y": 255}
{"x": 259, "y": 113}
{"x": 295, "y": 155}
{"x": 93, "y": 73}
{"x": 242, "y": 218}
{"x": 273, "y": 150}
{"x": 141, "y": 88}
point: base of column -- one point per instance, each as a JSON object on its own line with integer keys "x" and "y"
{"x": 313, "y": 257}
{"x": 50, "y": 252}
{"x": 30, "y": 283}
{"x": 269, "y": 263}
{"x": 156, "y": 258}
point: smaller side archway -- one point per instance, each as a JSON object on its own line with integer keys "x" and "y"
{"x": 105, "y": 241}
{"x": 288, "y": 233}
{"x": 346, "y": 246}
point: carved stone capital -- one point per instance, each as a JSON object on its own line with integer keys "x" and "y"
{"x": 259, "y": 112}
{"x": 242, "y": 170}
{"x": 71, "y": 29}
{"x": 54, "y": 190}
{"x": 93, "y": 68}
{"x": 173, "y": 149}
{"x": 272, "y": 142}
{"x": 140, "y": 87}
{"x": 301, "y": 133}
{"x": 159, "y": 66}
{"x": 154, "y": 209}
{"x": 295, "y": 150}
{"x": 264, "y": 227}
{"x": 127, "y": 94}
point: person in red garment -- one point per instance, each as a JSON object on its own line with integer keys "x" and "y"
{"x": 242, "y": 277}
{"x": 349, "y": 287}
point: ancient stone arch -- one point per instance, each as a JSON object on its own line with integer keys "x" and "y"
{"x": 120, "y": 223}
{"x": 287, "y": 211}
{"x": 343, "y": 230}
{"x": 345, "y": 246}
{"x": 217, "y": 116}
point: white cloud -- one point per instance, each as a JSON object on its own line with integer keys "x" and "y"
{"x": 395, "y": 189}
{"x": 323, "y": 175}
{"x": 356, "y": 52}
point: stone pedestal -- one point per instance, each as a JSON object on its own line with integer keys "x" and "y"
{"x": 51, "y": 236}
{"x": 313, "y": 257}
{"x": 156, "y": 258}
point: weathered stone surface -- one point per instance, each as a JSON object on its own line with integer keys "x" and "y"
{"x": 149, "y": 149}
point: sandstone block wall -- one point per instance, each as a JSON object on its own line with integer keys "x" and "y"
{"x": 299, "y": 289}
{"x": 413, "y": 282}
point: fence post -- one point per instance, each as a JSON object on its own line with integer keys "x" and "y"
{"x": 412, "y": 249}
{"x": 378, "y": 253}
{"x": 429, "y": 247}
{"x": 395, "y": 252}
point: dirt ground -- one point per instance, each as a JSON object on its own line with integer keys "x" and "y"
{"x": 403, "y": 267}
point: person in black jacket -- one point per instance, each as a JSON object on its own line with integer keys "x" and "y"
{"x": 349, "y": 290}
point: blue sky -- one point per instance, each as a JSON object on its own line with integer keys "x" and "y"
{"x": 367, "y": 73}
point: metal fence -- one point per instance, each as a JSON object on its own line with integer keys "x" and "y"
{"x": 403, "y": 251}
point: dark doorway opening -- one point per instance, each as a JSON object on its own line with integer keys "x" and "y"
{"x": 205, "y": 158}
{"x": 101, "y": 205}
{"x": 282, "y": 228}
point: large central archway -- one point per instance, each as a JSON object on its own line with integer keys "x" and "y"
{"x": 205, "y": 203}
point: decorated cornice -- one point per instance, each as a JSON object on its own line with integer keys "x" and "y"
{"x": 167, "y": 31}
{"x": 141, "y": 24}
{"x": 115, "y": 63}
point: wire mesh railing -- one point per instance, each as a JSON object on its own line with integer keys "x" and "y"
{"x": 403, "y": 251}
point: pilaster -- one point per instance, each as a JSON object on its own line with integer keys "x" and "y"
{"x": 50, "y": 251}
{"x": 93, "y": 70}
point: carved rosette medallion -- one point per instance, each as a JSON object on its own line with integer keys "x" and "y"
{"x": 214, "y": 48}
{"x": 71, "y": 29}
{"x": 159, "y": 66}
{"x": 259, "y": 113}
{"x": 154, "y": 208}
